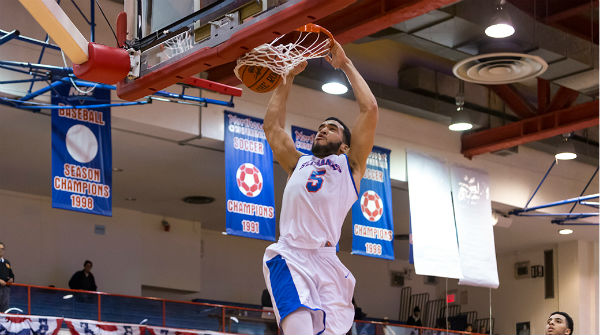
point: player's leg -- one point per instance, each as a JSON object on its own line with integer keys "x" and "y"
{"x": 298, "y": 322}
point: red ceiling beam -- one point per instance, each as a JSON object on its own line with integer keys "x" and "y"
{"x": 562, "y": 99}
{"x": 543, "y": 91}
{"x": 583, "y": 8}
{"x": 514, "y": 100}
{"x": 533, "y": 129}
{"x": 367, "y": 17}
{"x": 358, "y": 20}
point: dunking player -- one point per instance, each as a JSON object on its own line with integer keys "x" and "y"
{"x": 310, "y": 288}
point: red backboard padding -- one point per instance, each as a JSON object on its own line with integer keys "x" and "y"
{"x": 105, "y": 64}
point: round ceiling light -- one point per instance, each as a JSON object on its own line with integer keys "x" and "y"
{"x": 499, "y": 68}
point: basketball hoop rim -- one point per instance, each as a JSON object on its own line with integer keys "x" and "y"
{"x": 315, "y": 28}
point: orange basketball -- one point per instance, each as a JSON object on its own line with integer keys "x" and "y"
{"x": 259, "y": 79}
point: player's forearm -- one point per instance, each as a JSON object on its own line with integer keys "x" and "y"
{"x": 364, "y": 97}
{"x": 276, "y": 109}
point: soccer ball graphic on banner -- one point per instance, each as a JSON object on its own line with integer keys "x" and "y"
{"x": 371, "y": 206}
{"x": 249, "y": 180}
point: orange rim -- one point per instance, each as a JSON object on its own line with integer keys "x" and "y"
{"x": 315, "y": 28}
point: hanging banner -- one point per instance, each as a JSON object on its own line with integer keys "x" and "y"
{"x": 303, "y": 139}
{"x": 88, "y": 327}
{"x": 249, "y": 185}
{"x": 434, "y": 243}
{"x": 372, "y": 215}
{"x": 81, "y": 152}
{"x": 473, "y": 214}
{"x": 149, "y": 330}
{"x": 29, "y": 325}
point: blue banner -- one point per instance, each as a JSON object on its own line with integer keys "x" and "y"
{"x": 249, "y": 189}
{"x": 303, "y": 139}
{"x": 81, "y": 152}
{"x": 372, "y": 215}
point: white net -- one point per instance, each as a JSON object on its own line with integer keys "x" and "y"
{"x": 283, "y": 57}
{"x": 178, "y": 44}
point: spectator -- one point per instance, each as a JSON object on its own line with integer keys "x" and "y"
{"x": 415, "y": 318}
{"x": 84, "y": 279}
{"x": 559, "y": 323}
{"x": 469, "y": 328}
{"x": 6, "y": 278}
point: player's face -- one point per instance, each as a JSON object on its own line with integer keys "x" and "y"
{"x": 1, "y": 250}
{"x": 328, "y": 139}
{"x": 557, "y": 325}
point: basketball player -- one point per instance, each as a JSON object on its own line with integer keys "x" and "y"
{"x": 310, "y": 288}
{"x": 559, "y": 323}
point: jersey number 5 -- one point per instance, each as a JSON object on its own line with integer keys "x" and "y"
{"x": 315, "y": 181}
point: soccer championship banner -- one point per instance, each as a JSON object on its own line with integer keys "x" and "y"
{"x": 372, "y": 215}
{"x": 81, "y": 152}
{"x": 88, "y": 327}
{"x": 249, "y": 189}
{"x": 303, "y": 139}
{"x": 29, "y": 325}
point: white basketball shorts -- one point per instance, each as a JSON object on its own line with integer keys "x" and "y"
{"x": 312, "y": 278}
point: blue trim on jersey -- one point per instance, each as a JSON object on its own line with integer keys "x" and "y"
{"x": 351, "y": 176}
{"x": 284, "y": 290}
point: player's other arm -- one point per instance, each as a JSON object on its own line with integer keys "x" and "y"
{"x": 280, "y": 142}
{"x": 363, "y": 133}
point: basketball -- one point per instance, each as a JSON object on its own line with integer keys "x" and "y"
{"x": 258, "y": 78}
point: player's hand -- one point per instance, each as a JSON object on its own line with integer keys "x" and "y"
{"x": 337, "y": 57}
{"x": 298, "y": 69}
{"x": 2, "y": 282}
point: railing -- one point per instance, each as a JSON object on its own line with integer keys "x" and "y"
{"x": 79, "y": 304}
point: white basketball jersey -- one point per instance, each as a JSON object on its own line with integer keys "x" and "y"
{"x": 316, "y": 199}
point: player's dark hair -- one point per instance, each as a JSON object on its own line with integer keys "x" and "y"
{"x": 346, "y": 138}
{"x": 86, "y": 263}
{"x": 568, "y": 318}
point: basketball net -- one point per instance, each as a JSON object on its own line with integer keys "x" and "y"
{"x": 282, "y": 58}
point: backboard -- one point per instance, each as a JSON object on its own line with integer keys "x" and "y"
{"x": 172, "y": 40}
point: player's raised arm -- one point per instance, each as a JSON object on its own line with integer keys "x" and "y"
{"x": 363, "y": 133}
{"x": 281, "y": 143}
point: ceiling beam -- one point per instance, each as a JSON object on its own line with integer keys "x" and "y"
{"x": 356, "y": 21}
{"x": 562, "y": 99}
{"x": 532, "y": 129}
{"x": 570, "y": 12}
{"x": 513, "y": 99}
{"x": 543, "y": 91}
{"x": 364, "y": 18}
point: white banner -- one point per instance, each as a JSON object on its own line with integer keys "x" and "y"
{"x": 473, "y": 214}
{"x": 435, "y": 247}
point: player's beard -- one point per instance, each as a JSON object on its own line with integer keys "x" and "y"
{"x": 330, "y": 148}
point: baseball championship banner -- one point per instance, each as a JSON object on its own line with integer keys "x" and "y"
{"x": 372, "y": 215}
{"x": 29, "y": 325}
{"x": 303, "y": 139}
{"x": 81, "y": 152}
{"x": 88, "y": 327}
{"x": 249, "y": 188}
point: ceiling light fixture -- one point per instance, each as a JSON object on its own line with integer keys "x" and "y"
{"x": 565, "y": 231}
{"x": 460, "y": 120}
{"x": 336, "y": 84}
{"x": 501, "y": 24}
{"x": 566, "y": 149}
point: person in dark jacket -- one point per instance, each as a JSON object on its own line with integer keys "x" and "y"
{"x": 6, "y": 278}
{"x": 84, "y": 279}
{"x": 415, "y": 318}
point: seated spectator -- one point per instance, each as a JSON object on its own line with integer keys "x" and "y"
{"x": 84, "y": 279}
{"x": 469, "y": 328}
{"x": 415, "y": 318}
